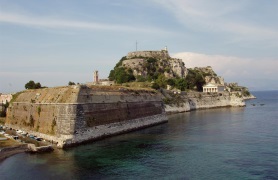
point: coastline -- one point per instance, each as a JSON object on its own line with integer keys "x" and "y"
{"x": 13, "y": 150}
{"x": 172, "y": 103}
{"x": 197, "y": 101}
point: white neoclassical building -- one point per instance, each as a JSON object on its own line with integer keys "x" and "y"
{"x": 213, "y": 88}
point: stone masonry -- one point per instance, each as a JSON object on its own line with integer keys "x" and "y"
{"x": 64, "y": 114}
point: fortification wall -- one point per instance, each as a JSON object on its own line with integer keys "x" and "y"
{"x": 195, "y": 101}
{"x": 69, "y": 122}
{"x": 163, "y": 54}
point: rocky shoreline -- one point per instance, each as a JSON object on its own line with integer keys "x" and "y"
{"x": 10, "y": 151}
{"x": 179, "y": 103}
{"x": 30, "y": 148}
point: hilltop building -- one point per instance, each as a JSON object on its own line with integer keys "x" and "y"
{"x": 162, "y": 54}
{"x": 210, "y": 87}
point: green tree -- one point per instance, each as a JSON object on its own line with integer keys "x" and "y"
{"x": 181, "y": 84}
{"x": 195, "y": 79}
{"x": 121, "y": 76}
{"x": 111, "y": 75}
{"x": 171, "y": 82}
{"x": 155, "y": 86}
{"x": 200, "y": 81}
{"x": 32, "y": 85}
{"x": 71, "y": 83}
{"x": 161, "y": 81}
{"x": 38, "y": 85}
{"x": 140, "y": 79}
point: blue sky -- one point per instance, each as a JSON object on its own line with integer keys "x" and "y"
{"x": 54, "y": 42}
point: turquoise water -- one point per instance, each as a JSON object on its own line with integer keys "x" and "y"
{"x": 225, "y": 143}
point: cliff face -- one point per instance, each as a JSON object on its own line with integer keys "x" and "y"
{"x": 69, "y": 115}
{"x": 209, "y": 75}
{"x": 144, "y": 63}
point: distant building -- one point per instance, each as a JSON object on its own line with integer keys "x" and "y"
{"x": 96, "y": 77}
{"x": 210, "y": 87}
{"x": 5, "y": 98}
{"x": 100, "y": 82}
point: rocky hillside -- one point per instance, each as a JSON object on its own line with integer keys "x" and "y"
{"x": 209, "y": 75}
{"x": 147, "y": 66}
{"x": 161, "y": 71}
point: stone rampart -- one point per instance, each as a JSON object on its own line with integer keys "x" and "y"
{"x": 163, "y": 54}
{"x": 196, "y": 100}
{"x": 61, "y": 114}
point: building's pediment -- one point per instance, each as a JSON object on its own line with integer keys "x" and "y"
{"x": 210, "y": 85}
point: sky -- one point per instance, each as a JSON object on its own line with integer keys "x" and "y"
{"x": 54, "y": 42}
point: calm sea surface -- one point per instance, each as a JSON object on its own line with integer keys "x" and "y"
{"x": 225, "y": 143}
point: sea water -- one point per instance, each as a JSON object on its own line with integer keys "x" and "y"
{"x": 225, "y": 143}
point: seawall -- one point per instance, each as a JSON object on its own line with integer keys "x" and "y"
{"x": 194, "y": 100}
{"x": 75, "y": 114}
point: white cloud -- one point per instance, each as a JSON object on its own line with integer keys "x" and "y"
{"x": 220, "y": 16}
{"x": 254, "y": 73}
{"x": 56, "y": 23}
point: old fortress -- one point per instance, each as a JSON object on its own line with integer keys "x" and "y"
{"x": 75, "y": 114}
{"x": 163, "y": 54}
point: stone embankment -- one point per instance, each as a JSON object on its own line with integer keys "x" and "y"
{"x": 192, "y": 101}
{"x": 40, "y": 149}
{"x": 31, "y": 148}
{"x": 74, "y": 114}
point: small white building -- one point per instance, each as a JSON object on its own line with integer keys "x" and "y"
{"x": 4, "y": 98}
{"x": 210, "y": 87}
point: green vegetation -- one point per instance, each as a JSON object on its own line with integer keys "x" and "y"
{"x": 238, "y": 95}
{"x": 15, "y": 97}
{"x": 121, "y": 75}
{"x": 245, "y": 92}
{"x": 53, "y": 124}
{"x": 174, "y": 99}
{"x": 39, "y": 111}
{"x": 71, "y": 83}
{"x": 155, "y": 73}
{"x": 195, "y": 79}
{"x": 141, "y": 79}
{"x": 181, "y": 84}
{"x": 32, "y": 85}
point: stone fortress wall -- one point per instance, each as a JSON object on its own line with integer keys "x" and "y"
{"x": 163, "y": 54}
{"x": 74, "y": 114}
{"x": 198, "y": 100}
